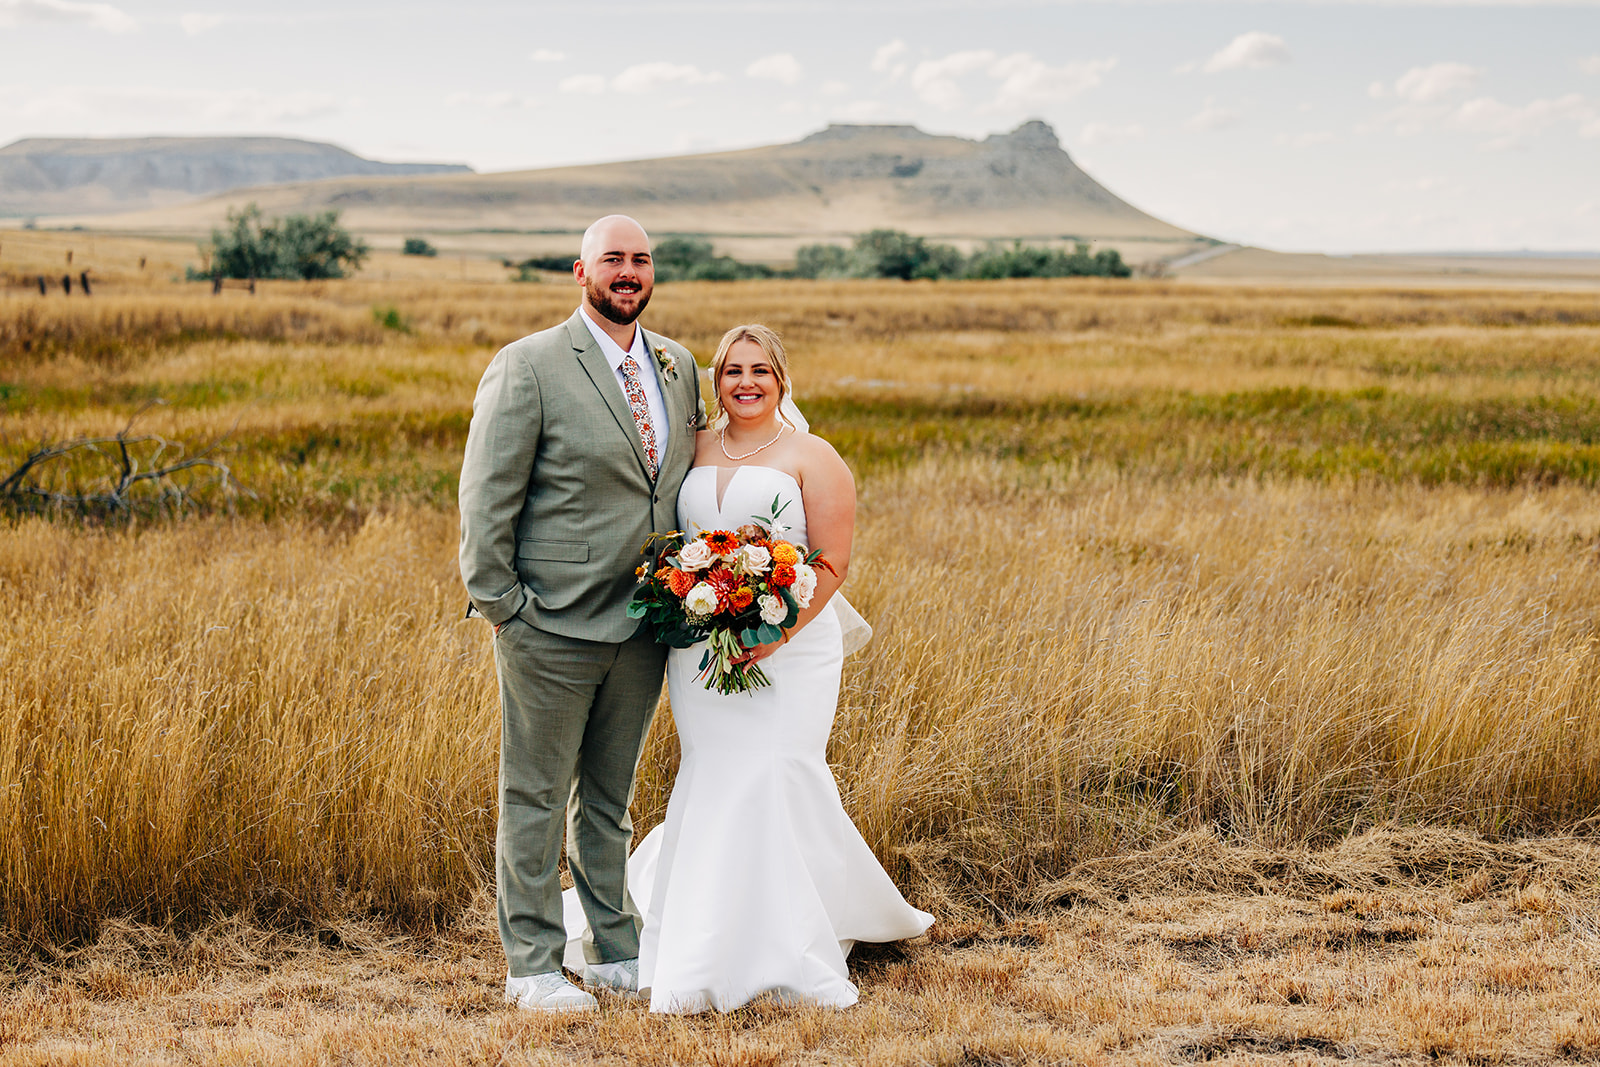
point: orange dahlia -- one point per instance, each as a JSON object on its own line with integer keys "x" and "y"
{"x": 782, "y": 575}
{"x": 721, "y": 542}
{"x": 680, "y": 582}
{"x": 725, "y": 584}
{"x": 784, "y": 552}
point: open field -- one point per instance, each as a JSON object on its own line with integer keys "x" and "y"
{"x": 1383, "y": 950}
{"x": 1236, "y": 688}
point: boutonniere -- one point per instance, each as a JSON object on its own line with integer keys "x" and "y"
{"x": 667, "y": 362}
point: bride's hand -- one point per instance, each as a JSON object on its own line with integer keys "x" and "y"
{"x": 761, "y": 652}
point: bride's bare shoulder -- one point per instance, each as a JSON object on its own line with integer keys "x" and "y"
{"x": 819, "y": 458}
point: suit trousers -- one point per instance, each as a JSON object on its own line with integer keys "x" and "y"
{"x": 573, "y": 719}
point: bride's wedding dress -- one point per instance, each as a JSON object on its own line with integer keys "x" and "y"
{"x": 757, "y": 882}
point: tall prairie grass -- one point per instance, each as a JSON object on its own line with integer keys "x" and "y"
{"x": 1143, "y": 559}
{"x": 218, "y": 716}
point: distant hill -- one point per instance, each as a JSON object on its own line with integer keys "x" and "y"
{"x": 52, "y": 176}
{"x": 757, "y": 203}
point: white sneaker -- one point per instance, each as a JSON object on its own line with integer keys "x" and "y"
{"x": 619, "y": 977}
{"x": 547, "y": 992}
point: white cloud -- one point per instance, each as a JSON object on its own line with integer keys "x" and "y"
{"x": 639, "y": 78}
{"x": 646, "y": 77}
{"x": 1212, "y": 117}
{"x": 934, "y": 79}
{"x": 883, "y": 60}
{"x": 781, "y": 67}
{"x": 490, "y": 101}
{"x": 195, "y": 23}
{"x": 1023, "y": 78}
{"x": 1099, "y": 133}
{"x": 581, "y": 85}
{"x": 1426, "y": 85}
{"x": 72, "y": 12}
{"x": 1304, "y": 140}
{"x": 1249, "y": 51}
{"x": 1591, "y": 66}
{"x": 1510, "y": 125}
{"x": 547, "y": 55}
{"x": 1026, "y": 80}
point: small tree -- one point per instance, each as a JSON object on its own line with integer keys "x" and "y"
{"x": 300, "y": 246}
{"x": 1027, "y": 261}
{"x": 684, "y": 259}
{"x": 528, "y": 270}
{"x": 822, "y": 261}
{"x": 897, "y": 254}
{"x": 417, "y": 246}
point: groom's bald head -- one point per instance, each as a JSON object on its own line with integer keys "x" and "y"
{"x": 620, "y": 231}
{"x": 615, "y": 269}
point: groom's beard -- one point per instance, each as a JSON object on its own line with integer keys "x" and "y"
{"x": 601, "y": 300}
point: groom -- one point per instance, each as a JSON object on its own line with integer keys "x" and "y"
{"x": 581, "y": 435}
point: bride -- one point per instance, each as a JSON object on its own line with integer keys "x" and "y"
{"x": 757, "y": 882}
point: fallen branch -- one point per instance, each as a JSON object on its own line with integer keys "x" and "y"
{"x": 138, "y": 461}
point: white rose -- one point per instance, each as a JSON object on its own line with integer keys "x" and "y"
{"x": 773, "y": 609}
{"x": 702, "y": 600}
{"x": 696, "y": 556}
{"x": 805, "y": 584}
{"x": 753, "y": 559}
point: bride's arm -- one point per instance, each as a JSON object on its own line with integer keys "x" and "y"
{"x": 828, "y": 492}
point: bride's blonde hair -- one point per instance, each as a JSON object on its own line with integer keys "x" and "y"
{"x": 771, "y": 347}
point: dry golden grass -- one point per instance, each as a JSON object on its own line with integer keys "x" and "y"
{"x": 1171, "y": 587}
{"x": 1408, "y": 947}
{"x": 226, "y": 715}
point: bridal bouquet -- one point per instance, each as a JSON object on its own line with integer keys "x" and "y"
{"x": 733, "y": 589}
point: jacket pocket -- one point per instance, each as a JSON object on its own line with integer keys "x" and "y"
{"x": 556, "y": 551}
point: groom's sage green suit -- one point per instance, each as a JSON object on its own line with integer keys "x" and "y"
{"x": 556, "y": 500}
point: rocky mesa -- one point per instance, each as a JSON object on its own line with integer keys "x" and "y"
{"x": 52, "y": 176}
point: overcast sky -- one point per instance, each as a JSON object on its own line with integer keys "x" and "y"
{"x": 1325, "y": 126}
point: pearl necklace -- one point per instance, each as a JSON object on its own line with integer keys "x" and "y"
{"x": 722, "y": 439}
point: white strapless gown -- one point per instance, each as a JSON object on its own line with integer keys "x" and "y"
{"x": 757, "y": 882}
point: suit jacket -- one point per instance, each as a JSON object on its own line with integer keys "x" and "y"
{"x": 555, "y": 498}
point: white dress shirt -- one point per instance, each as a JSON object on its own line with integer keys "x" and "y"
{"x": 647, "y": 377}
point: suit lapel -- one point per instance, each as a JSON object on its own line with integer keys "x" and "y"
{"x": 605, "y": 382}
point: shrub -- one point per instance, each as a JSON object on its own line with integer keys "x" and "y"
{"x": 1024, "y": 261}
{"x": 684, "y": 259}
{"x": 897, "y": 254}
{"x": 528, "y": 269}
{"x": 822, "y": 261}
{"x": 300, "y": 246}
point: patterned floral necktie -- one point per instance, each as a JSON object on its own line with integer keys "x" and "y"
{"x": 641, "y": 414}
